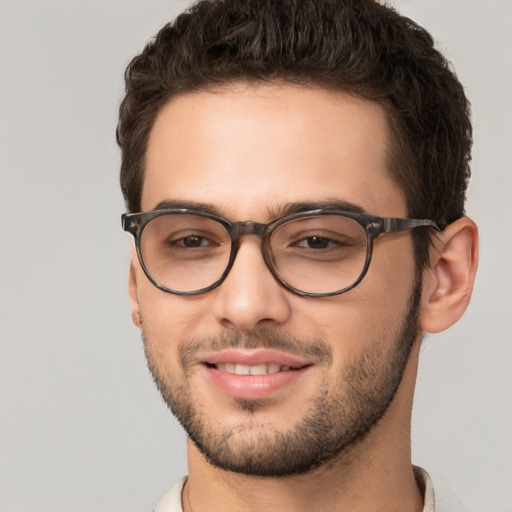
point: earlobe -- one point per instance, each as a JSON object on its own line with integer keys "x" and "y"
{"x": 132, "y": 292}
{"x": 448, "y": 282}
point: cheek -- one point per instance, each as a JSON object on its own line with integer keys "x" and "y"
{"x": 372, "y": 312}
{"x": 166, "y": 319}
{"x": 391, "y": 278}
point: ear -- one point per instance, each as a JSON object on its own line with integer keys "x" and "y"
{"x": 132, "y": 292}
{"x": 448, "y": 282}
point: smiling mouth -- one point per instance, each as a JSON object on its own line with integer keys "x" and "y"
{"x": 253, "y": 375}
{"x": 257, "y": 369}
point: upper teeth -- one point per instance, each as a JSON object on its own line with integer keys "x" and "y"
{"x": 257, "y": 369}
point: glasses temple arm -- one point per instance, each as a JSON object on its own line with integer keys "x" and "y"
{"x": 393, "y": 225}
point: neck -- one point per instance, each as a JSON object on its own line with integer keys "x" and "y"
{"x": 330, "y": 488}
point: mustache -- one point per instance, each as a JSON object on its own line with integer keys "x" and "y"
{"x": 314, "y": 349}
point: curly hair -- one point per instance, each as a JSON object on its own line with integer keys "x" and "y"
{"x": 357, "y": 46}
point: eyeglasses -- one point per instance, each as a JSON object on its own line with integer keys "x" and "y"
{"x": 316, "y": 253}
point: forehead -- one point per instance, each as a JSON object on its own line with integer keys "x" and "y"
{"x": 249, "y": 150}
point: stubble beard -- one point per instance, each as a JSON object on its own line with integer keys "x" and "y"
{"x": 339, "y": 417}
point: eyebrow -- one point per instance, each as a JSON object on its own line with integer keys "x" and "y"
{"x": 306, "y": 206}
{"x": 274, "y": 212}
{"x": 175, "y": 204}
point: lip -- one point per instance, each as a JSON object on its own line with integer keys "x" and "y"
{"x": 253, "y": 387}
{"x": 253, "y": 357}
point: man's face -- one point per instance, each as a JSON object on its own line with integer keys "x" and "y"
{"x": 250, "y": 153}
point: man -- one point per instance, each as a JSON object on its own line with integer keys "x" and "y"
{"x": 296, "y": 173}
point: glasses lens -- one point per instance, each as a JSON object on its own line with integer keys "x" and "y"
{"x": 322, "y": 254}
{"x": 185, "y": 253}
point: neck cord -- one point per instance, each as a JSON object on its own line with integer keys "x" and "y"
{"x": 187, "y": 493}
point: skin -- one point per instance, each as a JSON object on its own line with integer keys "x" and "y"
{"x": 248, "y": 151}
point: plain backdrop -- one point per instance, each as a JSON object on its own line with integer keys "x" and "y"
{"x": 81, "y": 426}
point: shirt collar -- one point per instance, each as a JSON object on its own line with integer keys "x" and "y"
{"x": 425, "y": 483}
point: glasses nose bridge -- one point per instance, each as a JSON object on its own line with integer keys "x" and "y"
{"x": 239, "y": 229}
{"x": 248, "y": 228}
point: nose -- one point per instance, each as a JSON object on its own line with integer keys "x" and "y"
{"x": 250, "y": 296}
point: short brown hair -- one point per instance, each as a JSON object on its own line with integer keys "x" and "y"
{"x": 358, "y": 46}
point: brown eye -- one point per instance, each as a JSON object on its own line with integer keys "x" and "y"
{"x": 192, "y": 241}
{"x": 317, "y": 242}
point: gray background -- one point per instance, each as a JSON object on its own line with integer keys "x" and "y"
{"x": 81, "y": 426}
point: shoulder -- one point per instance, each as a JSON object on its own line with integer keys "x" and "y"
{"x": 171, "y": 502}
